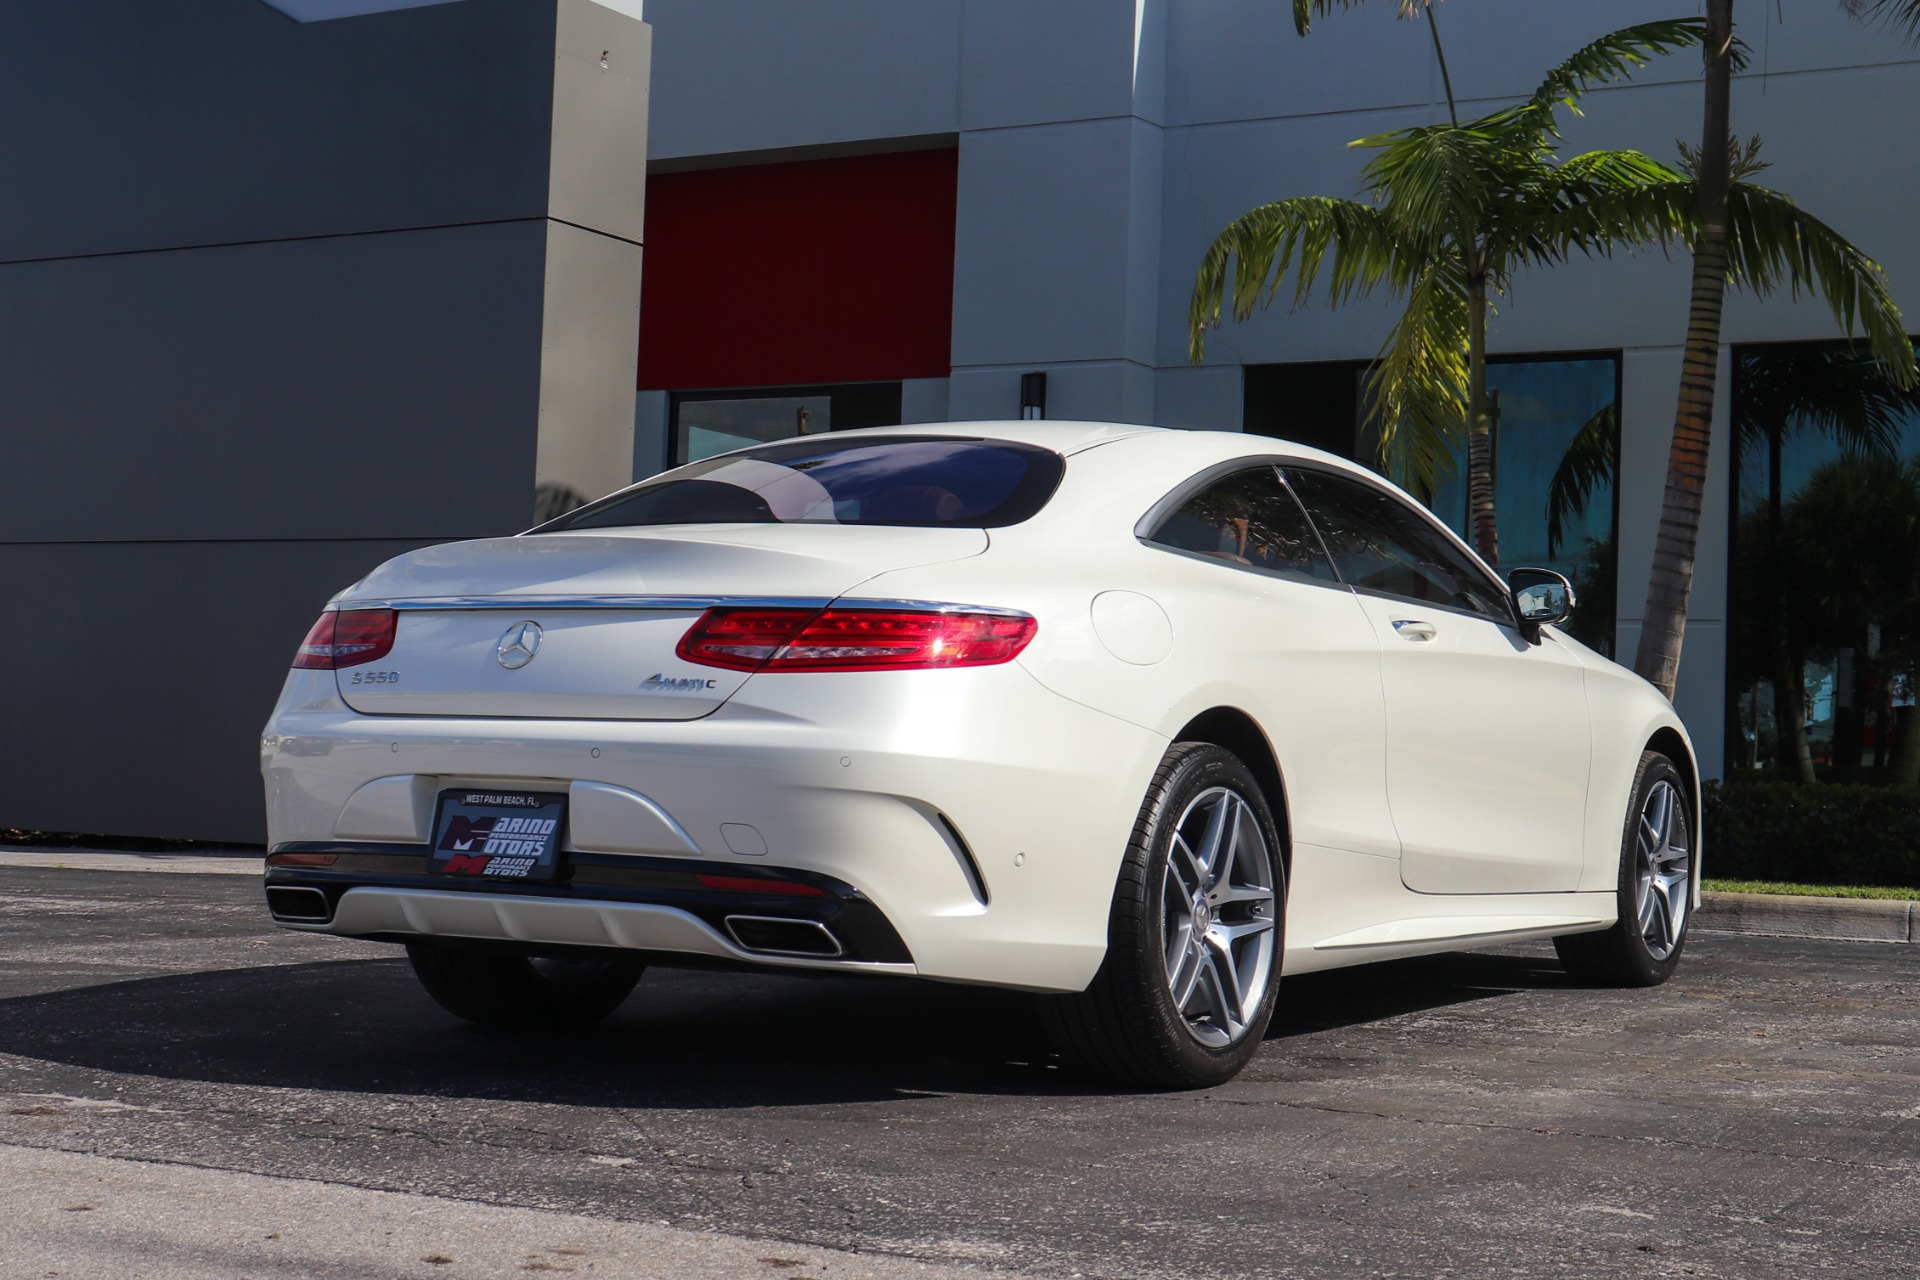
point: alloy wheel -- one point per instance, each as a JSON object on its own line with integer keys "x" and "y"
{"x": 1663, "y": 871}
{"x": 1218, "y": 916}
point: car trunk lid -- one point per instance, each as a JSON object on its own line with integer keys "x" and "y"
{"x": 576, "y": 625}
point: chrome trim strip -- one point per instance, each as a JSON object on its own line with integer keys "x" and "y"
{"x": 668, "y": 604}
{"x": 644, "y": 603}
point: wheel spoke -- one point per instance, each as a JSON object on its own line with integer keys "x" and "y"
{"x": 1229, "y": 934}
{"x": 1216, "y": 836}
{"x": 1673, "y": 900}
{"x": 1661, "y": 926}
{"x": 1179, "y": 942}
{"x": 1647, "y": 895}
{"x": 1183, "y": 859}
{"x": 1193, "y": 963}
{"x": 1227, "y": 975}
{"x": 1242, "y": 893}
{"x": 1220, "y": 870}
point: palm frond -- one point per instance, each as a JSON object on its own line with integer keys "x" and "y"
{"x": 1305, "y": 11}
{"x": 1773, "y": 242}
{"x": 1417, "y": 387}
{"x": 1901, "y": 14}
{"x": 1612, "y": 57}
{"x": 1440, "y": 180}
{"x": 1591, "y": 460}
{"x": 1604, "y": 201}
{"x": 1357, "y": 245}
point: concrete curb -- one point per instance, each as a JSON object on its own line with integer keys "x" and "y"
{"x": 1781, "y": 915}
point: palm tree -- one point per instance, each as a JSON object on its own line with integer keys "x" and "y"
{"x": 1750, "y": 237}
{"x": 1455, "y": 210}
{"x": 1801, "y": 252}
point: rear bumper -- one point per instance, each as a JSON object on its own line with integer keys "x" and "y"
{"x": 799, "y": 920}
{"x": 980, "y": 815}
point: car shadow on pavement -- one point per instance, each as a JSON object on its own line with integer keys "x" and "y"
{"x": 686, "y": 1038}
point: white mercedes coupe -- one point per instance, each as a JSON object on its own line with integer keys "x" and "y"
{"x": 1137, "y": 719}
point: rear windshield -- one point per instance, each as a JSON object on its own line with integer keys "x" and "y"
{"x": 919, "y": 481}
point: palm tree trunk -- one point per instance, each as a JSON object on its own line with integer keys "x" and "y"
{"x": 1668, "y": 590}
{"x": 1480, "y": 510}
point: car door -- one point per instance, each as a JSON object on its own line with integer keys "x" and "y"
{"x": 1273, "y": 629}
{"x": 1488, "y": 737}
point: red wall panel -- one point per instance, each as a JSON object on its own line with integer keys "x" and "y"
{"x": 834, "y": 270}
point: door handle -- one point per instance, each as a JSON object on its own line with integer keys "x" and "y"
{"x": 1413, "y": 629}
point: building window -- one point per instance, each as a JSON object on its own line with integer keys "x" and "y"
{"x": 1555, "y": 459}
{"x": 1824, "y": 607}
{"x": 709, "y": 422}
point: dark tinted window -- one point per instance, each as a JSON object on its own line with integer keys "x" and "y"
{"x": 1382, "y": 544}
{"x": 1247, "y": 518}
{"x": 928, "y": 481}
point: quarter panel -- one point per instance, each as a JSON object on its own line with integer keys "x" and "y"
{"x": 1299, "y": 658}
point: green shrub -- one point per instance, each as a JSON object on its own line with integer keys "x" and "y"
{"x": 1831, "y": 833}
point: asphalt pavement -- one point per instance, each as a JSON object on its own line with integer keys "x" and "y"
{"x": 177, "y": 1078}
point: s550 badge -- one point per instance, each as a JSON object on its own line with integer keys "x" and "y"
{"x": 661, "y": 683}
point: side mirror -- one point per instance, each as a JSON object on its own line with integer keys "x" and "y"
{"x": 1540, "y": 597}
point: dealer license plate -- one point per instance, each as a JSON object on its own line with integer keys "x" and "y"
{"x": 499, "y": 835}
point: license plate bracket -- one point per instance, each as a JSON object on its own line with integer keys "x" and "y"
{"x": 484, "y": 833}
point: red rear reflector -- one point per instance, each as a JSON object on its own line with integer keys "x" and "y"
{"x": 751, "y": 884}
{"x": 853, "y": 639}
{"x": 347, "y": 638}
{"x": 301, "y": 859}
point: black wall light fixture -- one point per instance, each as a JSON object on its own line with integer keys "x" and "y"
{"x": 1033, "y": 395}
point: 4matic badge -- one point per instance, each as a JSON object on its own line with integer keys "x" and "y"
{"x": 659, "y": 682}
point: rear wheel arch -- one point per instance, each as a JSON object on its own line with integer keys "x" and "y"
{"x": 1238, "y": 732}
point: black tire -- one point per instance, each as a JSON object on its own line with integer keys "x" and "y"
{"x": 1627, "y": 955}
{"x": 1125, "y": 1027}
{"x": 497, "y": 988}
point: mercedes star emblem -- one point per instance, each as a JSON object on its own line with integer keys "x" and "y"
{"x": 518, "y": 645}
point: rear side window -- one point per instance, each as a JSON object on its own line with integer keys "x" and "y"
{"x": 1246, "y": 518}
{"x": 1382, "y": 544}
{"x": 911, "y": 481}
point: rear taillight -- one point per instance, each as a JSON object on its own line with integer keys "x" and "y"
{"x": 848, "y": 639}
{"x": 347, "y": 638}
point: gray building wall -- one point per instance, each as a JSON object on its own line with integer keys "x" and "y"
{"x": 1103, "y": 143}
{"x": 280, "y": 300}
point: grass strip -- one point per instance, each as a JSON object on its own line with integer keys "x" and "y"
{"x": 1812, "y": 890}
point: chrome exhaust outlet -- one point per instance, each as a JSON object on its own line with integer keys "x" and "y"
{"x": 297, "y": 904}
{"x": 784, "y": 936}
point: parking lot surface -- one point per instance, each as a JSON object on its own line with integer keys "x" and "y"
{"x": 1470, "y": 1115}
